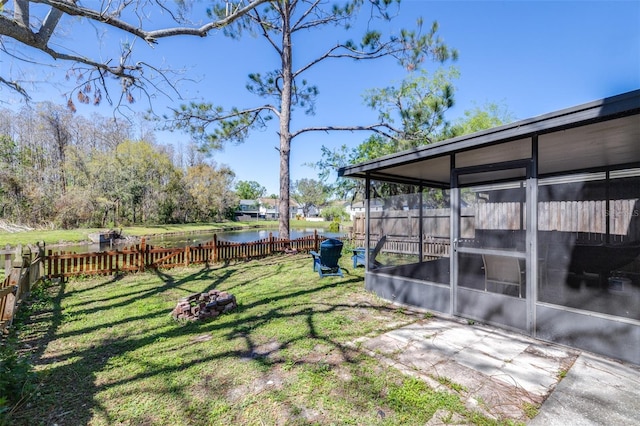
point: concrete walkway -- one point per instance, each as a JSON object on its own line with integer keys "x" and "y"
{"x": 596, "y": 391}
{"x": 508, "y": 375}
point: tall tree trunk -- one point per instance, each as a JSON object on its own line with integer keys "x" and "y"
{"x": 285, "y": 120}
{"x": 283, "y": 207}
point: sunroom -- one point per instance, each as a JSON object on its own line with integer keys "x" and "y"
{"x": 533, "y": 226}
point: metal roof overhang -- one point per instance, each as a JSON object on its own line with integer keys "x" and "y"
{"x": 597, "y": 134}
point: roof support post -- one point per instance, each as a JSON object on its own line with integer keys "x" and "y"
{"x": 454, "y": 232}
{"x": 532, "y": 261}
{"x": 420, "y": 225}
{"x": 367, "y": 220}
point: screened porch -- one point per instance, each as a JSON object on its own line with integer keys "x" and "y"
{"x": 532, "y": 226}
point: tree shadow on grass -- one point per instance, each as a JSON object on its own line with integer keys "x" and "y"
{"x": 160, "y": 348}
{"x": 114, "y": 278}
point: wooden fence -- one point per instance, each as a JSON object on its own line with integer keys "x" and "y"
{"x": 143, "y": 256}
{"x": 406, "y": 223}
{"x": 21, "y": 275}
{"x": 7, "y": 254}
{"x": 617, "y": 219}
{"x": 432, "y": 247}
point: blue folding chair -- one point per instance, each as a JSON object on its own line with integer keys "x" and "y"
{"x": 359, "y": 254}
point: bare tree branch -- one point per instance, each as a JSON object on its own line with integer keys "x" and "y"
{"x": 149, "y": 36}
{"x": 231, "y": 125}
{"x": 16, "y": 31}
{"x": 14, "y": 86}
{"x": 377, "y": 128}
{"x": 19, "y": 27}
{"x": 49, "y": 24}
{"x": 255, "y": 15}
{"x": 21, "y": 13}
{"x": 298, "y": 24}
{"x": 382, "y": 51}
{"x": 250, "y": 111}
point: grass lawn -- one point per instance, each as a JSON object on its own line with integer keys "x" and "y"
{"x": 106, "y": 351}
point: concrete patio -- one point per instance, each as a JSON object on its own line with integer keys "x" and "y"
{"x": 505, "y": 374}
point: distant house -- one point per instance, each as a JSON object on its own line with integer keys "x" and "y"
{"x": 248, "y": 209}
{"x": 295, "y": 209}
{"x": 356, "y": 208}
{"x": 313, "y": 211}
{"x": 268, "y": 208}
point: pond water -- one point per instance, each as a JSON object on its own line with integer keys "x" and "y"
{"x": 235, "y": 236}
{"x": 193, "y": 239}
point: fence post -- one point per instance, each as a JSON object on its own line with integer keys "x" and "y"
{"x": 17, "y": 261}
{"x": 52, "y": 267}
{"x": 187, "y": 255}
{"x": 41, "y": 257}
{"x": 7, "y": 260}
{"x": 215, "y": 248}
{"x": 15, "y": 274}
{"x": 270, "y": 242}
{"x": 147, "y": 254}
{"x": 26, "y": 269}
{"x": 141, "y": 254}
{"x": 316, "y": 246}
{"x": 11, "y": 299}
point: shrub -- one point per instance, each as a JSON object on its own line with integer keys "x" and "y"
{"x": 15, "y": 378}
{"x": 334, "y": 213}
{"x": 74, "y": 210}
{"x": 16, "y": 373}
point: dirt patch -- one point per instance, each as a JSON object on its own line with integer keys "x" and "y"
{"x": 272, "y": 381}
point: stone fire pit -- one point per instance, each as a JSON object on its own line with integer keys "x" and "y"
{"x": 201, "y": 306}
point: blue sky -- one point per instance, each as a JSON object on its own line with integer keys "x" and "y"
{"x": 532, "y": 57}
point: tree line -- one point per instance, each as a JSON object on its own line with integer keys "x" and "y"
{"x": 64, "y": 170}
{"x": 365, "y": 35}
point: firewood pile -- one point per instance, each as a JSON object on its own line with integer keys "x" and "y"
{"x": 202, "y": 306}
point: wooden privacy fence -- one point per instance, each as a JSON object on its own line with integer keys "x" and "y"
{"x": 143, "y": 256}
{"x": 435, "y": 222}
{"x": 21, "y": 275}
{"x": 432, "y": 247}
{"x": 588, "y": 216}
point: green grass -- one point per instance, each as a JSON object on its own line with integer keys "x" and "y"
{"x": 58, "y": 236}
{"x": 106, "y": 351}
{"x": 451, "y": 384}
{"x": 531, "y": 410}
